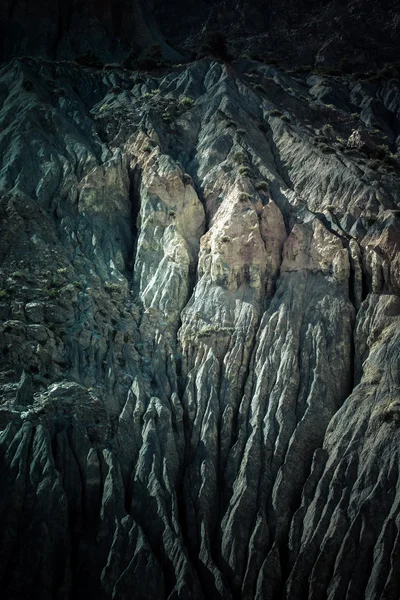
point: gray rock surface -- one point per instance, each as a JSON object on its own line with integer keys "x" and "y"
{"x": 200, "y": 334}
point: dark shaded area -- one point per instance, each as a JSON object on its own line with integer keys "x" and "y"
{"x": 352, "y": 36}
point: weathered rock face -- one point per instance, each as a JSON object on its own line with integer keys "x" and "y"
{"x": 200, "y": 334}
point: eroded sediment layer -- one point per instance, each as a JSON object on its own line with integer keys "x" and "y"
{"x": 200, "y": 334}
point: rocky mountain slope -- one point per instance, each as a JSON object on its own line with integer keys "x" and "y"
{"x": 199, "y": 294}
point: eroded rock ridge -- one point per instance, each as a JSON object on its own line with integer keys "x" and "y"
{"x": 200, "y": 334}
